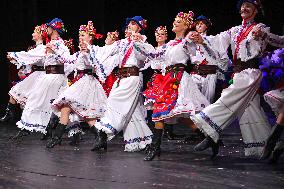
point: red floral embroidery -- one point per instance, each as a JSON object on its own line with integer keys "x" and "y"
{"x": 163, "y": 90}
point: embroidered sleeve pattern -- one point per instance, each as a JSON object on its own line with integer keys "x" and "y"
{"x": 147, "y": 51}
{"x": 189, "y": 47}
{"x": 30, "y": 57}
{"x": 70, "y": 59}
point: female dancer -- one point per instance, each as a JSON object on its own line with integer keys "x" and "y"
{"x": 175, "y": 94}
{"x": 37, "y": 111}
{"x": 86, "y": 97}
{"x": 20, "y": 92}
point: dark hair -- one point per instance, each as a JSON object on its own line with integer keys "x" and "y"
{"x": 208, "y": 24}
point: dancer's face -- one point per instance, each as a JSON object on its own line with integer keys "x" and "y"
{"x": 36, "y": 37}
{"x": 161, "y": 36}
{"x": 133, "y": 26}
{"x": 179, "y": 25}
{"x": 248, "y": 11}
{"x": 200, "y": 27}
{"x": 85, "y": 37}
{"x": 109, "y": 40}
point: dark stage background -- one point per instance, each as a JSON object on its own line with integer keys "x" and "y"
{"x": 20, "y": 16}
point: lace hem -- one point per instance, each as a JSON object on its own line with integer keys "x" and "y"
{"x": 171, "y": 115}
{"x": 81, "y": 109}
{"x": 137, "y": 144}
{"x": 107, "y": 128}
{"x": 74, "y": 131}
{"x": 205, "y": 127}
{"x": 31, "y": 127}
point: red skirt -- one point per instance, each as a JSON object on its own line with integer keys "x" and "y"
{"x": 163, "y": 91}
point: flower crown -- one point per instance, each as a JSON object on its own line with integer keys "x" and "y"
{"x": 161, "y": 28}
{"x": 89, "y": 28}
{"x": 187, "y": 18}
{"x": 42, "y": 30}
{"x": 113, "y": 35}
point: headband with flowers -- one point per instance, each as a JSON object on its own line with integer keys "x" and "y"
{"x": 187, "y": 18}
{"x": 89, "y": 28}
{"x": 42, "y": 29}
{"x": 161, "y": 28}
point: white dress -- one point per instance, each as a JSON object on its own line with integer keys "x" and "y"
{"x": 240, "y": 100}
{"x": 37, "y": 111}
{"x": 189, "y": 100}
{"x": 86, "y": 97}
{"x": 123, "y": 111}
{"x": 22, "y": 90}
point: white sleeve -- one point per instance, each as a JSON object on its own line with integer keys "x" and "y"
{"x": 218, "y": 43}
{"x": 251, "y": 47}
{"x": 65, "y": 58}
{"x": 69, "y": 62}
{"x": 59, "y": 48}
{"x": 144, "y": 50}
{"x": 104, "y": 69}
{"x": 189, "y": 47}
{"x": 104, "y": 59}
{"x": 28, "y": 57}
{"x": 275, "y": 40}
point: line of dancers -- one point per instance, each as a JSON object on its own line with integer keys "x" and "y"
{"x": 105, "y": 89}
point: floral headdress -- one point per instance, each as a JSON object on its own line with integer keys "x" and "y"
{"x": 89, "y": 28}
{"x": 187, "y": 18}
{"x": 161, "y": 28}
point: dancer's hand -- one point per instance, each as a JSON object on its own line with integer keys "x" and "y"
{"x": 257, "y": 33}
{"x": 136, "y": 36}
{"x": 49, "y": 48}
{"x": 195, "y": 37}
{"x": 9, "y": 57}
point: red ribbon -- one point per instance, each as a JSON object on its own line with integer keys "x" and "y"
{"x": 244, "y": 33}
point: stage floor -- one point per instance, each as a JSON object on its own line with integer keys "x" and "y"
{"x": 27, "y": 164}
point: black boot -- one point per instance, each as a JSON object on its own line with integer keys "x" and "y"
{"x": 57, "y": 138}
{"x": 54, "y": 120}
{"x": 75, "y": 139}
{"x": 215, "y": 149}
{"x": 154, "y": 148}
{"x": 199, "y": 136}
{"x": 206, "y": 143}
{"x": 10, "y": 113}
{"x": 170, "y": 134}
{"x": 100, "y": 139}
{"x": 94, "y": 131}
{"x": 147, "y": 148}
{"x": 278, "y": 150}
{"x": 271, "y": 141}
